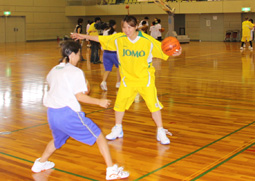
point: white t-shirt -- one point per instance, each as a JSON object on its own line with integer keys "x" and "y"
{"x": 154, "y": 32}
{"x": 87, "y": 28}
{"x": 65, "y": 80}
{"x": 158, "y": 27}
{"x": 140, "y": 24}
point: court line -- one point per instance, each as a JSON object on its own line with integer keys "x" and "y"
{"x": 154, "y": 170}
{"x": 166, "y": 165}
{"x": 223, "y": 162}
{"x": 222, "y": 107}
{"x": 220, "y": 161}
{"x": 70, "y": 173}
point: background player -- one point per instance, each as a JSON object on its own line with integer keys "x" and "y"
{"x": 247, "y": 26}
{"x": 110, "y": 58}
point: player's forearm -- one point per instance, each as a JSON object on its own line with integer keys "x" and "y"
{"x": 92, "y": 38}
{"x": 87, "y": 99}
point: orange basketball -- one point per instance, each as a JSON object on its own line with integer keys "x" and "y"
{"x": 127, "y": 6}
{"x": 170, "y": 45}
{"x": 162, "y": 30}
{"x": 88, "y": 86}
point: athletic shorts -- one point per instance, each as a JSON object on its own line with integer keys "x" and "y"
{"x": 110, "y": 59}
{"x": 246, "y": 38}
{"x": 65, "y": 123}
{"x": 126, "y": 96}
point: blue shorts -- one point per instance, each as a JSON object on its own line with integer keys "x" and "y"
{"x": 65, "y": 123}
{"x": 110, "y": 58}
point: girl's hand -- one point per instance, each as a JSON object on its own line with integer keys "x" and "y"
{"x": 177, "y": 53}
{"x": 104, "y": 103}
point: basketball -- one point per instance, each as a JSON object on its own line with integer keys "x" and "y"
{"x": 127, "y": 6}
{"x": 170, "y": 45}
{"x": 88, "y": 86}
{"x": 162, "y": 30}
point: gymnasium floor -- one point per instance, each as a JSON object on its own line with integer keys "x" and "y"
{"x": 208, "y": 95}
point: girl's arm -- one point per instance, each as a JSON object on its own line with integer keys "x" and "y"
{"x": 77, "y": 36}
{"x": 81, "y": 97}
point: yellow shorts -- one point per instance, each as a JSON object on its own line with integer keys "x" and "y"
{"x": 246, "y": 38}
{"x": 126, "y": 96}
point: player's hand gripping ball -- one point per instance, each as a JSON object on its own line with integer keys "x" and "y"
{"x": 171, "y": 46}
{"x": 88, "y": 86}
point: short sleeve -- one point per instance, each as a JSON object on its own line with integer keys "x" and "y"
{"x": 78, "y": 83}
{"x": 157, "y": 51}
{"x": 108, "y": 42}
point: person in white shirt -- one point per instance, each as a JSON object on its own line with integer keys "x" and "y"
{"x": 158, "y": 27}
{"x": 153, "y": 30}
{"x": 110, "y": 58}
{"x": 67, "y": 88}
{"x": 145, "y": 19}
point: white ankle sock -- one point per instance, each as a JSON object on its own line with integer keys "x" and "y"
{"x": 119, "y": 125}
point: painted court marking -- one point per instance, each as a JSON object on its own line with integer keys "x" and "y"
{"x": 220, "y": 161}
{"x": 160, "y": 167}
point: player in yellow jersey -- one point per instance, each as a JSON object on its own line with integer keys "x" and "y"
{"x": 247, "y": 26}
{"x": 135, "y": 51}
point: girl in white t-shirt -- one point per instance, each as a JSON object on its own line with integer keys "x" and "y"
{"x": 67, "y": 88}
{"x": 153, "y": 30}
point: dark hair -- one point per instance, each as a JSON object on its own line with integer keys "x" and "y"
{"x": 159, "y": 21}
{"x": 143, "y": 22}
{"x": 67, "y": 47}
{"x": 153, "y": 23}
{"x": 80, "y": 20}
{"x": 97, "y": 19}
{"x": 131, "y": 20}
{"x": 111, "y": 24}
{"x": 251, "y": 20}
{"x": 146, "y": 17}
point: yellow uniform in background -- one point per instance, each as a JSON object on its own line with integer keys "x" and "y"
{"x": 92, "y": 30}
{"x": 246, "y": 27}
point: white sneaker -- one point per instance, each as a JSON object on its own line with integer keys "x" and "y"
{"x": 250, "y": 48}
{"x": 241, "y": 48}
{"x": 161, "y": 136}
{"x": 117, "y": 132}
{"x": 116, "y": 172}
{"x": 103, "y": 86}
{"x": 38, "y": 166}
{"x": 117, "y": 84}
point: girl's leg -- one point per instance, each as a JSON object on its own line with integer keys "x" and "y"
{"x": 49, "y": 150}
{"x": 104, "y": 150}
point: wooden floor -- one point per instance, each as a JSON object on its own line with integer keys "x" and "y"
{"x": 208, "y": 95}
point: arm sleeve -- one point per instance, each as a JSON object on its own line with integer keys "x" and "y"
{"x": 157, "y": 51}
{"x": 108, "y": 42}
{"x": 78, "y": 82}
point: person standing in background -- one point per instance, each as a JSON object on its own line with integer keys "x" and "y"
{"x": 153, "y": 30}
{"x": 247, "y": 26}
{"x": 95, "y": 46}
{"x": 87, "y": 32}
{"x": 110, "y": 58}
{"x": 78, "y": 29}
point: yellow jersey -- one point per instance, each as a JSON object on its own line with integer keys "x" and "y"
{"x": 135, "y": 57}
{"x": 246, "y": 27}
{"x": 92, "y": 30}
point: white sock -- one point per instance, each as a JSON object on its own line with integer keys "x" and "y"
{"x": 119, "y": 125}
{"x": 159, "y": 128}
